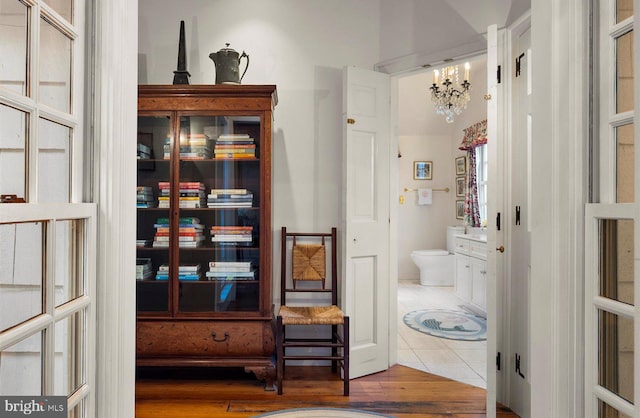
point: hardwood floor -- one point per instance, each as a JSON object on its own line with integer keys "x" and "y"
{"x": 400, "y": 391}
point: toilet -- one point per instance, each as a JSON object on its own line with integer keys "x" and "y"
{"x": 437, "y": 266}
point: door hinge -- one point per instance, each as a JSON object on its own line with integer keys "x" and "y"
{"x": 498, "y": 74}
{"x": 517, "y": 215}
{"x": 498, "y": 221}
{"x": 518, "y": 64}
{"x": 498, "y": 361}
{"x": 518, "y": 366}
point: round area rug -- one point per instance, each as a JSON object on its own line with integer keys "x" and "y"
{"x": 321, "y": 413}
{"x": 443, "y": 323}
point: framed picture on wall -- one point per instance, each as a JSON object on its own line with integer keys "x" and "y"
{"x": 461, "y": 165}
{"x": 422, "y": 170}
{"x": 460, "y": 186}
{"x": 459, "y": 209}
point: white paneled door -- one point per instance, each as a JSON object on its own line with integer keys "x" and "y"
{"x": 366, "y": 227}
{"x": 495, "y": 210}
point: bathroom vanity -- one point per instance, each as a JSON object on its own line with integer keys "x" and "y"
{"x": 471, "y": 270}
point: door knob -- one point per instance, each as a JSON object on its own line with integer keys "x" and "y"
{"x": 500, "y": 248}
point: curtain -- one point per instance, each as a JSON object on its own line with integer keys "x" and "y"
{"x": 474, "y": 136}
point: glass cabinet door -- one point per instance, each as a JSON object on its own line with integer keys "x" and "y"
{"x": 153, "y": 249}
{"x": 207, "y": 250}
{"x": 218, "y": 195}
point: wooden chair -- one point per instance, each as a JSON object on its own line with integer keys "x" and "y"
{"x": 305, "y": 254}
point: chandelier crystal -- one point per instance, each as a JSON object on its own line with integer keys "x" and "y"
{"x": 450, "y": 97}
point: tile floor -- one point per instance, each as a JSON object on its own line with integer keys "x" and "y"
{"x": 464, "y": 361}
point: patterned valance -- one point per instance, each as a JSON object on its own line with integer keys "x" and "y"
{"x": 474, "y": 136}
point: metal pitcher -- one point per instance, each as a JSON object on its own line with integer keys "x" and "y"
{"x": 227, "y": 63}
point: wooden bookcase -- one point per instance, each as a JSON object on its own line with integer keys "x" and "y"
{"x": 211, "y": 140}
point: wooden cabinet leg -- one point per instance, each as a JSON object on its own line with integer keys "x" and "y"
{"x": 265, "y": 373}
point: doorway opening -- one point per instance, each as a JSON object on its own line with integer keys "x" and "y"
{"x": 424, "y": 136}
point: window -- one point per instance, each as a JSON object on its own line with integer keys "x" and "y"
{"x": 46, "y": 243}
{"x": 482, "y": 167}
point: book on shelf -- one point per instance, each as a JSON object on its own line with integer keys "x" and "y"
{"x": 144, "y": 148}
{"x": 144, "y": 197}
{"x": 230, "y": 264}
{"x": 234, "y": 196}
{"x": 232, "y": 137}
{"x": 237, "y": 238}
{"x": 190, "y": 229}
{"x": 231, "y": 231}
{"x": 230, "y": 200}
{"x": 233, "y": 147}
{"x": 144, "y": 152}
{"x": 237, "y": 149}
{"x": 229, "y": 191}
{"x": 143, "y": 242}
{"x": 229, "y": 205}
{"x": 182, "y": 268}
{"x": 189, "y": 277}
{"x": 185, "y": 277}
{"x": 182, "y": 185}
{"x": 181, "y": 199}
{"x": 187, "y": 222}
{"x": 144, "y": 269}
{"x": 231, "y": 269}
{"x": 234, "y": 155}
{"x": 181, "y": 238}
{"x": 231, "y": 227}
{"x": 181, "y": 244}
{"x": 233, "y": 243}
{"x": 230, "y": 275}
{"x": 183, "y": 205}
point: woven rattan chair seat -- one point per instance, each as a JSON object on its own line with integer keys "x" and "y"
{"x": 311, "y": 315}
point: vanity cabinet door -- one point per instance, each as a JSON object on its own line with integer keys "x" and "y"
{"x": 463, "y": 277}
{"x": 479, "y": 283}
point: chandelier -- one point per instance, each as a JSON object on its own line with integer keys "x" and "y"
{"x": 450, "y": 97}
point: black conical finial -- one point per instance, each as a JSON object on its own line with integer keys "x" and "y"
{"x": 181, "y": 75}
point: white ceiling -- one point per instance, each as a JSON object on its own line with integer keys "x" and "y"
{"x": 419, "y": 32}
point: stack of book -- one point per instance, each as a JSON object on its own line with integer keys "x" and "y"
{"x": 140, "y": 242}
{"x": 192, "y": 195}
{"x": 144, "y": 270}
{"x": 229, "y": 198}
{"x": 144, "y": 152}
{"x": 185, "y": 272}
{"x": 230, "y": 270}
{"x": 190, "y": 233}
{"x": 144, "y": 197}
{"x": 234, "y": 146}
{"x": 232, "y": 235}
{"x": 192, "y": 147}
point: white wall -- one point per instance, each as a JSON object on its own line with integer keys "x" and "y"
{"x": 425, "y": 136}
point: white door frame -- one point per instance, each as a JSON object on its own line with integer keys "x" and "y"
{"x": 559, "y": 154}
{"x": 114, "y": 99}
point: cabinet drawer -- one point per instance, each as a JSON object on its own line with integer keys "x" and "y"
{"x": 201, "y": 338}
{"x": 478, "y": 249}
{"x": 462, "y": 245}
